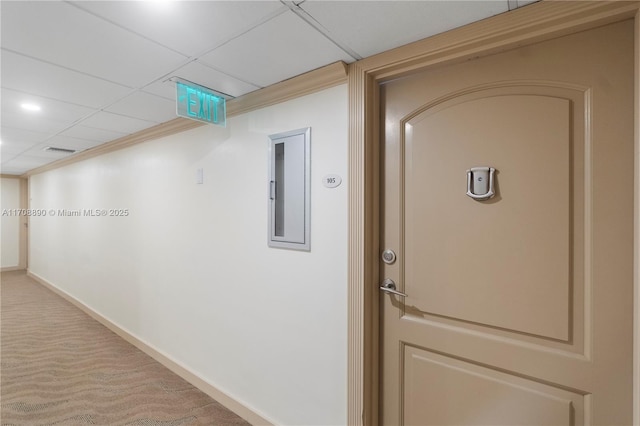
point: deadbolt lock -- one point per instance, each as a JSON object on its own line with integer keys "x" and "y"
{"x": 388, "y": 256}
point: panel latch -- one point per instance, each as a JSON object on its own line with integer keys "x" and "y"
{"x": 480, "y": 183}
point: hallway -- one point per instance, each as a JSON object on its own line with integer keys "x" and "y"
{"x": 60, "y": 366}
{"x": 323, "y": 248}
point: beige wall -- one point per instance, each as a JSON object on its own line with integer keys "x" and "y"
{"x": 188, "y": 271}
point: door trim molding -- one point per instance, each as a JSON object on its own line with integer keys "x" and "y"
{"x": 23, "y": 238}
{"x": 531, "y": 24}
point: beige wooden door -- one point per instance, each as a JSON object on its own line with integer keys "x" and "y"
{"x": 518, "y": 309}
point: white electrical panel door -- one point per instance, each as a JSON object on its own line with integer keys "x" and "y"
{"x": 289, "y": 189}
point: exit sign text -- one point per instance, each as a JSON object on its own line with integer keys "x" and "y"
{"x": 199, "y": 103}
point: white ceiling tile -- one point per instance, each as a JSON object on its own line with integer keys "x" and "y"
{"x": 33, "y": 122}
{"x": 118, "y": 123}
{"x": 370, "y": 27}
{"x": 51, "y": 109}
{"x": 66, "y": 35}
{"x": 54, "y": 116}
{"x": 25, "y": 163}
{"x": 9, "y": 150}
{"x": 8, "y": 170}
{"x": 7, "y": 154}
{"x": 163, "y": 88}
{"x": 37, "y": 77}
{"x": 203, "y": 75}
{"x": 189, "y": 27}
{"x": 9, "y": 134}
{"x": 92, "y": 134}
{"x": 145, "y": 106}
{"x": 279, "y": 49}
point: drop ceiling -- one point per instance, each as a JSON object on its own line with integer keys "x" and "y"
{"x": 100, "y": 70}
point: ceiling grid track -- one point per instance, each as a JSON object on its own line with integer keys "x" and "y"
{"x": 109, "y": 73}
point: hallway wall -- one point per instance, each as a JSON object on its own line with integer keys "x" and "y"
{"x": 188, "y": 271}
{"x": 10, "y": 232}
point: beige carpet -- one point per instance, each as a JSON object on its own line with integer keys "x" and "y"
{"x": 61, "y": 367}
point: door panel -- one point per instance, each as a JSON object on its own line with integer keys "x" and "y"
{"x": 468, "y": 394}
{"x": 504, "y": 285}
{"x": 518, "y": 308}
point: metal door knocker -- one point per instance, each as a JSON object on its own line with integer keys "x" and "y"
{"x": 480, "y": 183}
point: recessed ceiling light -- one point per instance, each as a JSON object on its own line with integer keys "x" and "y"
{"x": 163, "y": 5}
{"x": 31, "y": 107}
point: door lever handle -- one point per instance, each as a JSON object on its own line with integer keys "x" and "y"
{"x": 388, "y": 286}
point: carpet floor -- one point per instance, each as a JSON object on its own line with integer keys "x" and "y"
{"x": 61, "y": 367}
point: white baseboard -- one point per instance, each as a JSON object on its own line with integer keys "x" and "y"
{"x": 231, "y": 403}
{"x": 11, "y": 268}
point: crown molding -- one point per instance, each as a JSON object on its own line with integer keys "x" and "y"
{"x": 304, "y": 84}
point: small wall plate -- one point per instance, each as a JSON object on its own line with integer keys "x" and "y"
{"x": 331, "y": 181}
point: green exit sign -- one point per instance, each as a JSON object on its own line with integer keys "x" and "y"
{"x": 199, "y": 103}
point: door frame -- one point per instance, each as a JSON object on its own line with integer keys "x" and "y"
{"x": 23, "y": 233}
{"x": 531, "y": 24}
